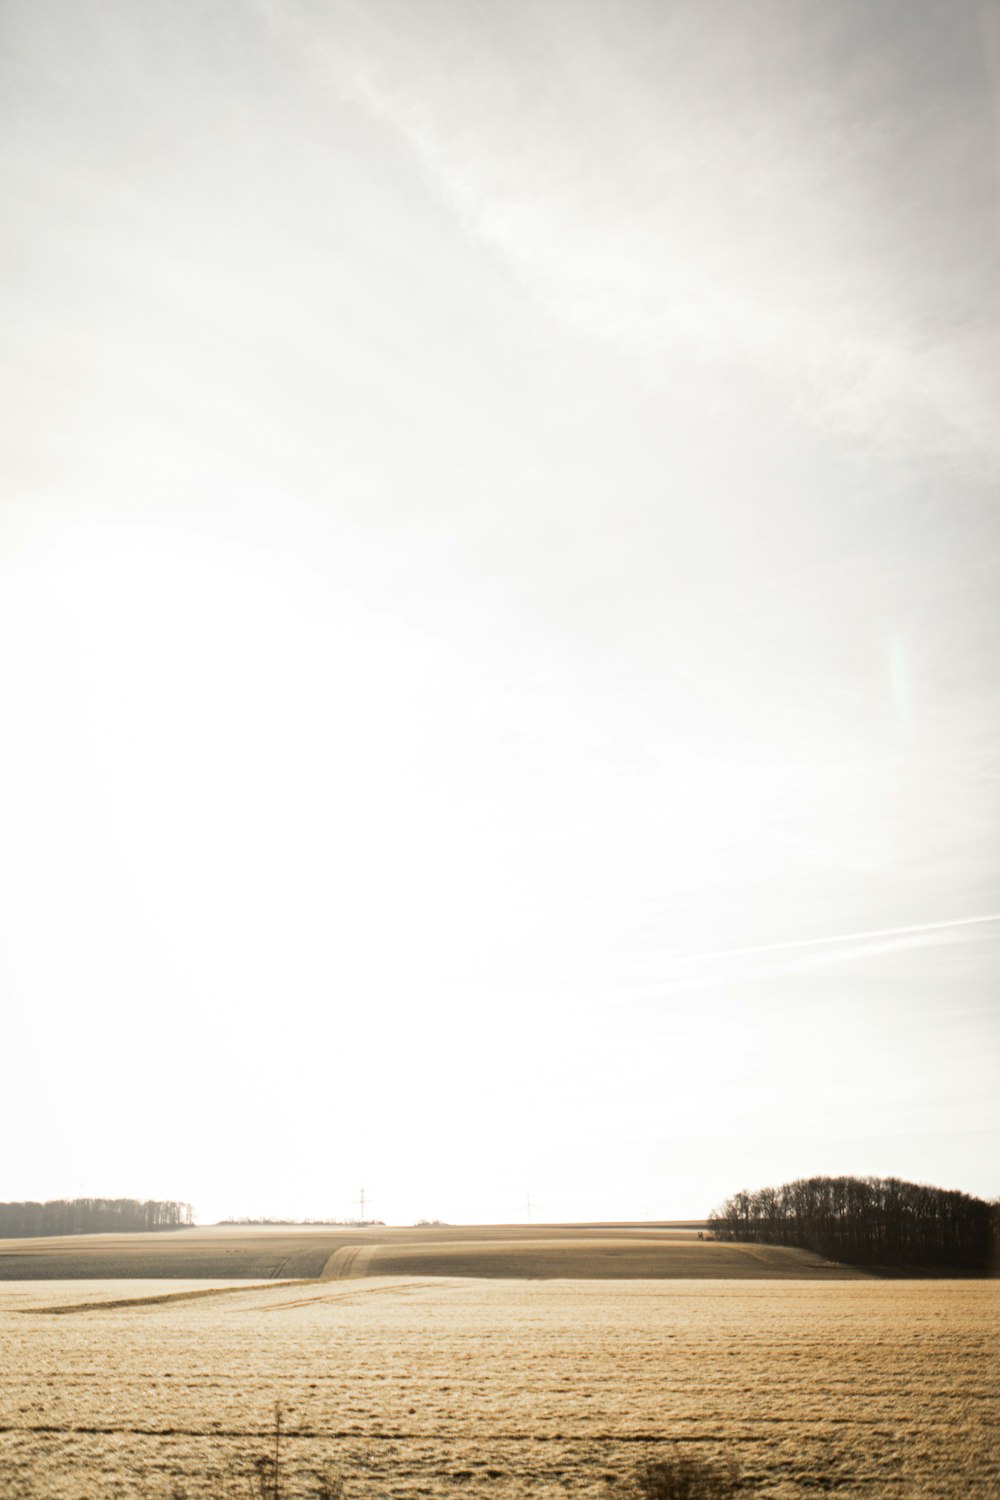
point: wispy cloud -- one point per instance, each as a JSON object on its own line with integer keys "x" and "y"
{"x": 708, "y": 202}
{"x": 915, "y": 930}
{"x": 729, "y": 969}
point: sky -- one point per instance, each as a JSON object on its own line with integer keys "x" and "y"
{"x": 499, "y": 578}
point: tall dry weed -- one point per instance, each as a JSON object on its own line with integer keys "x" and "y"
{"x": 267, "y": 1479}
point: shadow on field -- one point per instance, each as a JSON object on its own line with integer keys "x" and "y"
{"x": 681, "y": 1477}
{"x": 674, "y": 1476}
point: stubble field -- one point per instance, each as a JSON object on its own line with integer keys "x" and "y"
{"x": 254, "y": 1252}
{"x": 413, "y": 1386}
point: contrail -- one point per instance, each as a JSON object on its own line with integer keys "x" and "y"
{"x": 842, "y": 937}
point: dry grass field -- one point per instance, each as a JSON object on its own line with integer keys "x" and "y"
{"x": 262, "y": 1253}
{"x": 414, "y": 1386}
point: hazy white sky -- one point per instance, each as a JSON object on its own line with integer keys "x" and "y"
{"x": 498, "y": 537}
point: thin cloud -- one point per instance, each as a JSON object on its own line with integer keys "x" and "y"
{"x": 838, "y": 938}
{"x": 729, "y": 968}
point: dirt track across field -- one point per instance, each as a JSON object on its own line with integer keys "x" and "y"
{"x": 313, "y": 1252}
{"x": 349, "y": 1263}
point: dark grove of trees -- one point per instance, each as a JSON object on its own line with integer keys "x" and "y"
{"x": 867, "y": 1220}
{"x": 91, "y": 1216}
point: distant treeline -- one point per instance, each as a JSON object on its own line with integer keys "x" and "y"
{"x": 868, "y": 1221}
{"x": 322, "y": 1223}
{"x": 91, "y": 1216}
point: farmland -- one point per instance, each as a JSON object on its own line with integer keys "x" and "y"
{"x": 431, "y": 1385}
{"x": 257, "y": 1253}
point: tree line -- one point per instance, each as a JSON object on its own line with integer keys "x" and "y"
{"x": 867, "y": 1220}
{"x": 320, "y": 1223}
{"x": 92, "y": 1216}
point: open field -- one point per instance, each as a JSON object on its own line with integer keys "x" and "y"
{"x": 611, "y": 1251}
{"x": 436, "y": 1386}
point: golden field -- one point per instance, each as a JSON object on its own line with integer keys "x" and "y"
{"x": 412, "y": 1385}
{"x": 257, "y": 1253}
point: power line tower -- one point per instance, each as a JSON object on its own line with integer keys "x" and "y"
{"x": 360, "y": 1200}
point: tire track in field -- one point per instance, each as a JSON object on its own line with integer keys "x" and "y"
{"x": 348, "y": 1263}
{"x": 350, "y": 1294}
{"x": 159, "y": 1300}
{"x": 269, "y": 1304}
{"x": 353, "y": 1434}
